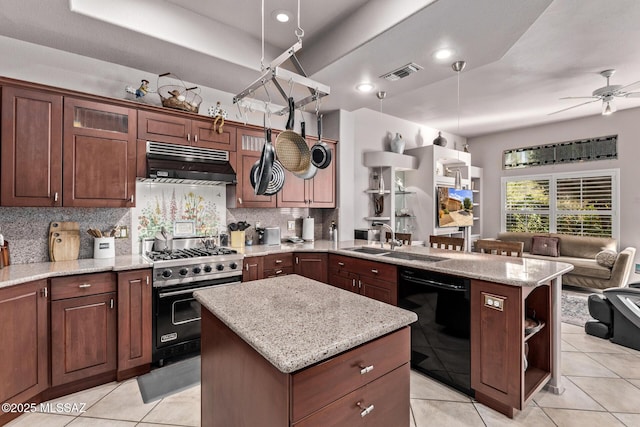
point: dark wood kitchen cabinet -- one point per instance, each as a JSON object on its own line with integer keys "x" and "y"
{"x": 134, "y": 323}
{"x": 24, "y": 316}
{"x": 83, "y": 327}
{"x": 376, "y": 280}
{"x": 509, "y": 366}
{"x": 99, "y": 154}
{"x": 312, "y": 265}
{"x": 318, "y": 192}
{"x": 31, "y": 153}
{"x": 250, "y": 142}
{"x": 252, "y": 268}
{"x": 182, "y": 130}
{"x": 275, "y": 265}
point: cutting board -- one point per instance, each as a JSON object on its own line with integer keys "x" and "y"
{"x": 64, "y": 241}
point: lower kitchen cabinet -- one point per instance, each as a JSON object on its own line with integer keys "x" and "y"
{"x": 83, "y": 327}
{"x": 277, "y": 265}
{"x": 24, "y": 316}
{"x": 134, "y": 323}
{"x": 252, "y": 268}
{"x": 376, "y": 280}
{"x": 312, "y": 265}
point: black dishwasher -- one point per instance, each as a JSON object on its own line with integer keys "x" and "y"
{"x": 440, "y": 345}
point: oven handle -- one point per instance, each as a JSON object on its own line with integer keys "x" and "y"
{"x": 190, "y": 290}
{"x": 439, "y": 285}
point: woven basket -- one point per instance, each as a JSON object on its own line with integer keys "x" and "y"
{"x": 175, "y": 94}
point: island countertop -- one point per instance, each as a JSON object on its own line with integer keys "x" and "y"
{"x": 294, "y": 322}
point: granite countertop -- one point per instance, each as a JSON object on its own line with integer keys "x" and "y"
{"x": 21, "y": 273}
{"x": 493, "y": 268}
{"x": 294, "y": 322}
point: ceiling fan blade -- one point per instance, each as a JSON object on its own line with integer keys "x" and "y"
{"x": 575, "y": 106}
{"x": 580, "y": 97}
{"x": 632, "y": 95}
{"x": 629, "y": 87}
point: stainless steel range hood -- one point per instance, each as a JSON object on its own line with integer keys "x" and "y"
{"x": 184, "y": 164}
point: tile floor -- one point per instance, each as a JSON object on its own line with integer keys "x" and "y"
{"x": 602, "y": 382}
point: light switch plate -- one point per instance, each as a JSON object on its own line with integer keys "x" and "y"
{"x": 291, "y": 225}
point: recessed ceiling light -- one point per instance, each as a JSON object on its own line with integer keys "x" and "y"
{"x": 365, "y": 87}
{"x": 281, "y": 15}
{"x": 443, "y": 53}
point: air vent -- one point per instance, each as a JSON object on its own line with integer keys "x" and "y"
{"x": 402, "y": 72}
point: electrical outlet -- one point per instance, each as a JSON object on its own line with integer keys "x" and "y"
{"x": 291, "y": 225}
{"x": 123, "y": 232}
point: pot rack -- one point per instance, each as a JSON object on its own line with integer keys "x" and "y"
{"x": 274, "y": 72}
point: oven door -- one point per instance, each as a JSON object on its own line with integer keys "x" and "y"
{"x": 176, "y": 323}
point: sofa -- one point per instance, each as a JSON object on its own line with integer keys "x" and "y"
{"x": 596, "y": 262}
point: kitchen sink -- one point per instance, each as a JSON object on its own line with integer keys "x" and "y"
{"x": 412, "y": 256}
{"x": 370, "y": 251}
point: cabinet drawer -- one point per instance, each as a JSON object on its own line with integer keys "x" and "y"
{"x": 278, "y": 261}
{"x": 378, "y": 270}
{"x": 381, "y": 403}
{"x": 283, "y": 271}
{"x": 319, "y": 385}
{"x": 82, "y": 285}
{"x": 341, "y": 263}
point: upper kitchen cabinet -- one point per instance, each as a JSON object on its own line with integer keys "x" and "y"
{"x": 178, "y": 129}
{"x": 318, "y": 192}
{"x": 250, "y": 143}
{"x": 99, "y": 154}
{"x": 31, "y": 155}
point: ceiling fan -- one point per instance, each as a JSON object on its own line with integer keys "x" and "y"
{"x": 606, "y": 94}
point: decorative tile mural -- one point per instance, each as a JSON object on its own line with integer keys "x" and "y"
{"x": 161, "y": 205}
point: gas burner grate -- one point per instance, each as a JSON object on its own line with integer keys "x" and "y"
{"x": 188, "y": 253}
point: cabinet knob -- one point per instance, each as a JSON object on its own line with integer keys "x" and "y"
{"x": 44, "y": 292}
{"x": 365, "y": 369}
{"x": 365, "y": 410}
{"x": 55, "y": 196}
{"x": 278, "y": 261}
{"x": 341, "y": 264}
{"x": 240, "y": 200}
{"x": 353, "y": 282}
{"x": 84, "y": 285}
{"x": 278, "y": 271}
{"x": 132, "y": 198}
{"x": 189, "y": 137}
{"x": 359, "y": 283}
{"x": 374, "y": 271}
{"x": 195, "y": 138}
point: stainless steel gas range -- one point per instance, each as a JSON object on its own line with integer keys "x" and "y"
{"x": 176, "y": 274}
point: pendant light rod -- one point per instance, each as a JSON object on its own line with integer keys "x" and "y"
{"x": 458, "y": 66}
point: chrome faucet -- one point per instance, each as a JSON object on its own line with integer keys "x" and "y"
{"x": 393, "y": 242}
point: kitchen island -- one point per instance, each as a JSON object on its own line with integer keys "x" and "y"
{"x": 293, "y": 351}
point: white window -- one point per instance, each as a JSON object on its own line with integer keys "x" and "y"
{"x": 578, "y": 203}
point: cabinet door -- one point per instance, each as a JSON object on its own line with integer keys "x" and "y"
{"x": 31, "y": 156}
{"x": 83, "y": 337}
{"x": 496, "y": 343}
{"x": 99, "y": 155}
{"x": 380, "y": 290}
{"x": 164, "y": 128}
{"x": 205, "y": 136}
{"x": 24, "y": 316}
{"x": 311, "y": 265}
{"x": 134, "y": 320}
{"x": 322, "y": 188}
{"x": 252, "y": 268}
{"x": 294, "y": 193}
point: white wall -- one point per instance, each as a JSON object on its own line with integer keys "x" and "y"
{"x": 486, "y": 152}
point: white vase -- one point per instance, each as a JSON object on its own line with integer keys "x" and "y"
{"x": 397, "y": 144}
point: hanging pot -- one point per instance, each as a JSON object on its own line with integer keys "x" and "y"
{"x": 277, "y": 178}
{"x": 320, "y": 152}
{"x": 265, "y": 165}
{"x": 291, "y": 148}
{"x": 312, "y": 169}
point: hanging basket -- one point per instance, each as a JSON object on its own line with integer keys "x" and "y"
{"x": 175, "y": 94}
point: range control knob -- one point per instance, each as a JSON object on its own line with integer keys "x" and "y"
{"x": 184, "y": 271}
{"x": 167, "y": 273}
{"x": 219, "y": 267}
{"x": 233, "y": 265}
{"x": 197, "y": 270}
{"x": 207, "y": 269}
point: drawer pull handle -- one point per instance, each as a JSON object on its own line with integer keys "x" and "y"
{"x": 353, "y": 282}
{"x": 365, "y": 411}
{"x": 374, "y": 271}
{"x": 278, "y": 271}
{"x": 278, "y": 261}
{"x": 84, "y": 285}
{"x": 341, "y": 264}
{"x": 55, "y": 197}
{"x": 365, "y": 369}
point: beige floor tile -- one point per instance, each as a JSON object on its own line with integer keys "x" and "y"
{"x": 615, "y": 395}
{"x": 99, "y": 422}
{"x": 630, "y": 420}
{"x": 180, "y": 408}
{"x": 123, "y": 403}
{"x": 156, "y": 425}
{"x": 625, "y": 365}
{"x": 568, "y": 328}
{"x": 37, "y": 419}
{"x": 87, "y": 397}
{"x": 581, "y": 365}
{"x": 412, "y": 423}
{"x": 635, "y": 382}
{"x": 423, "y": 387}
{"x": 576, "y": 418}
{"x": 446, "y": 414}
{"x": 589, "y": 344}
{"x": 565, "y": 346}
{"x": 572, "y": 398}
{"x": 531, "y": 416}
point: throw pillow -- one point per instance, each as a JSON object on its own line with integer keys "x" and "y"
{"x": 606, "y": 258}
{"x": 547, "y": 246}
